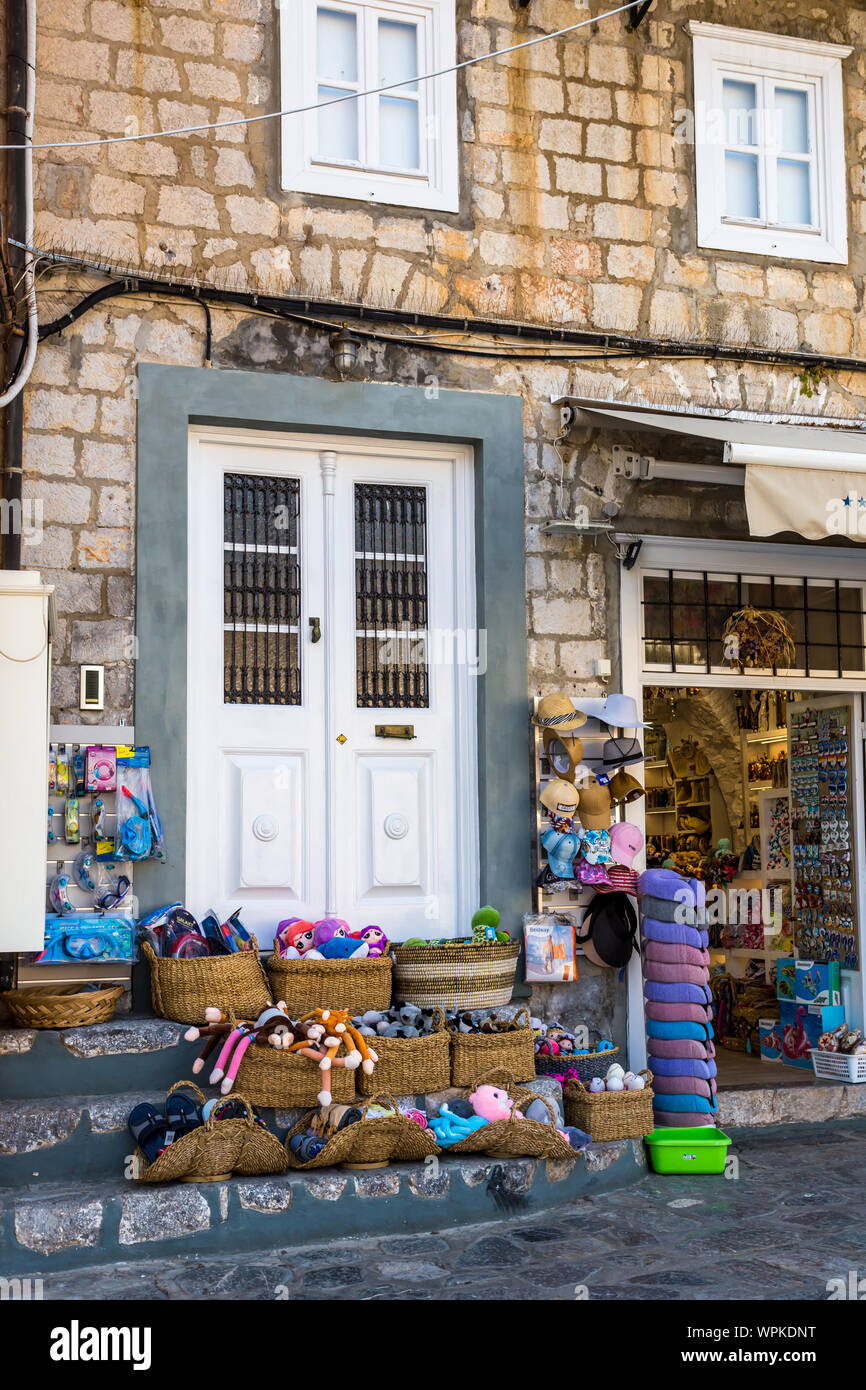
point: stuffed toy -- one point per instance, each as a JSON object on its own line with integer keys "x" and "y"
{"x": 340, "y": 948}
{"x": 492, "y": 1103}
{"x": 485, "y": 927}
{"x": 294, "y": 937}
{"x": 375, "y": 939}
{"x": 327, "y": 1031}
{"x": 449, "y": 1127}
{"x": 277, "y": 1029}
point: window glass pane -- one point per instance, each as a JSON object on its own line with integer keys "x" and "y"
{"x": 740, "y": 101}
{"x": 391, "y": 615}
{"x": 337, "y": 42}
{"x": 399, "y": 143}
{"x": 742, "y": 198}
{"x": 338, "y": 126}
{"x": 398, "y": 53}
{"x": 792, "y": 121}
{"x": 795, "y": 198}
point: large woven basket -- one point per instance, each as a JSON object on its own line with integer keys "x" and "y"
{"x": 280, "y": 1079}
{"x": 356, "y": 985}
{"x": 456, "y": 976}
{"x": 62, "y": 1006}
{"x": 410, "y": 1066}
{"x": 610, "y": 1114}
{"x": 473, "y": 1053}
{"x": 586, "y": 1066}
{"x": 218, "y": 1148}
{"x": 370, "y": 1142}
{"x": 515, "y": 1137}
{"x": 183, "y": 989}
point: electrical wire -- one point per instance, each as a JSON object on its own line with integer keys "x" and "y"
{"x": 22, "y": 375}
{"x": 334, "y": 101}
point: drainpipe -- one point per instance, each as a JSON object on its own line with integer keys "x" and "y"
{"x": 20, "y": 104}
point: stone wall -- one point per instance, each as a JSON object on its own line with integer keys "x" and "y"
{"x": 577, "y": 207}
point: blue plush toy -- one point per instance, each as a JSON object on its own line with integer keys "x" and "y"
{"x": 450, "y": 1128}
{"x": 340, "y": 948}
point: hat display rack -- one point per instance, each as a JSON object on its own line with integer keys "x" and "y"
{"x": 564, "y": 741}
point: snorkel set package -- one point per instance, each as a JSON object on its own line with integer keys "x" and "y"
{"x": 82, "y": 937}
{"x": 138, "y": 830}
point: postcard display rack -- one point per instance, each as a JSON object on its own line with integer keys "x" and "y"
{"x": 821, "y": 734}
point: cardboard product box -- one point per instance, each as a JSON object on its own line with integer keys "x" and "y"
{"x": 818, "y": 984}
{"x": 786, "y": 969}
{"x": 802, "y": 1026}
{"x": 770, "y": 1036}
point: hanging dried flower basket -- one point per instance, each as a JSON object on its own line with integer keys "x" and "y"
{"x": 758, "y": 637}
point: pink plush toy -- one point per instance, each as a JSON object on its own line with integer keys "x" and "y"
{"x": 491, "y": 1103}
{"x": 273, "y": 1021}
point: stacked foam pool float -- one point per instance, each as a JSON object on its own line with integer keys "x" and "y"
{"x": 676, "y": 971}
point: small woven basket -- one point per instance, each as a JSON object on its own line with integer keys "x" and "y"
{"x": 456, "y": 976}
{"x": 62, "y": 1006}
{"x": 370, "y": 1143}
{"x": 218, "y": 1148}
{"x": 356, "y": 985}
{"x": 514, "y": 1051}
{"x": 280, "y": 1079}
{"x": 515, "y": 1137}
{"x": 610, "y": 1114}
{"x": 183, "y": 989}
{"x": 587, "y": 1066}
{"x": 410, "y": 1066}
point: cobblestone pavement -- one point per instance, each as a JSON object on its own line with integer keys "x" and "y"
{"x": 793, "y": 1218}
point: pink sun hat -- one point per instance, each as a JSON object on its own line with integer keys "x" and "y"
{"x": 626, "y": 842}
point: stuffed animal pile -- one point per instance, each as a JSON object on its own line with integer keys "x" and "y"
{"x": 319, "y": 1035}
{"x": 477, "y": 1021}
{"x": 403, "y": 1021}
{"x": 485, "y": 932}
{"x": 329, "y": 939}
{"x": 330, "y": 1119}
{"x": 615, "y": 1079}
{"x": 487, "y": 1104}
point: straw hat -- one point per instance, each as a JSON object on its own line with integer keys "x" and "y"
{"x": 595, "y": 806}
{"x": 624, "y": 788}
{"x": 560, "y": 797}
{"x": 557, "y": 712}
{"x": 564, "y": 753}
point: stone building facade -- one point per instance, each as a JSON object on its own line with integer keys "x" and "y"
{"x": 577, "y": 210}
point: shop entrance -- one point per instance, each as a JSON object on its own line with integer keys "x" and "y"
{"x": 332, "y": 657}
{"x": 755, "y": 783}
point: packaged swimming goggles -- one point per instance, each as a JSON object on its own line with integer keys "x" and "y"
{"x": 82, "y": 936}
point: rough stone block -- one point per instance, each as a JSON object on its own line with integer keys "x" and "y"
{"x": 162, "y": 1213}
{"x": 55, "y": 1224}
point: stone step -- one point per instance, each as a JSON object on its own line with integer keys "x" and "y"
{"x": 742, "y": 1108}
{"x": 72, "y": 1224}
{"x": 104, "y": 1059}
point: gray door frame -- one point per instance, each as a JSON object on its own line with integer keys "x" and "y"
{"x": 170, "y": 401}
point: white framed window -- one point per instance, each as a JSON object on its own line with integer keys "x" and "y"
{"x": 769, "y": 133}
{"x": 394, "y": 146}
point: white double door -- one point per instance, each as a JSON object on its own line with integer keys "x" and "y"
{"x": 331, "y": 609}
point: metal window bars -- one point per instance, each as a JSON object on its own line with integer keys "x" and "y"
{"x": 262, "y": 590}
{"x": 391, "y": 612}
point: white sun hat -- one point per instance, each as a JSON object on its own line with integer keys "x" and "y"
{"x": 615, "y": 710}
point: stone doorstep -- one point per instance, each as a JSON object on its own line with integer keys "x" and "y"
{"x": 116, "y": 1038}
{"x": 782, "y": 1105}
{"x": 68, "y": 1224}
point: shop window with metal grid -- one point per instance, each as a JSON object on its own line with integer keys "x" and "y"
{"x": 262, "y": 590}
{"x": 391, "y": 596}
{"x": 684, "y": 614}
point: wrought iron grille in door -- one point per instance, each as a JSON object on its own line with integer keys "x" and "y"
{"x": 262, "y": 590}
{"x": 391, "y": 634}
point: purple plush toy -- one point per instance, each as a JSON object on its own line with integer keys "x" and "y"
{"x": 375, "y": 939}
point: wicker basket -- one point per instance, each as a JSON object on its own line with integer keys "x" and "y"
{"x": 62, "y": 1006}
{"x": 280, "y": 1079}
{"x": 455, "y": 976}
{"x": 473, "y": 1053}
{"x": 356, "y": 985}
{"x": 410, "y": 1066}
{"x": 610, "y": 1114}
{"x": 587, "y": 1066}
{"x": 183, "y": 989}
{"x": 514, "y": 1137}
{"x": 218, "y": 1148}
{"x": 369, "y": 1143}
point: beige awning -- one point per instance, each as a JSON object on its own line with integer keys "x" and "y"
{"x": 806, "y": 477}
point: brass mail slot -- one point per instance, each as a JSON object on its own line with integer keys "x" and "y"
{"x": 395, "y": 730}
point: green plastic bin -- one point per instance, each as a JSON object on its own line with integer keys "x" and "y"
{"x": 698, "y": 1150}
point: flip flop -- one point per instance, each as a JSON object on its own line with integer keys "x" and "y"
{"x": 148, "y": 1128}
{"x": 182, "y": 1115}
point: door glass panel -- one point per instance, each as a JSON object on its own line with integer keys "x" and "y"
{"x": 262, "y": 590}
{"x": 391, "y": 597}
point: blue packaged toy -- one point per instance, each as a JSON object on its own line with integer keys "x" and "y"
{"x": 86, "y": 936}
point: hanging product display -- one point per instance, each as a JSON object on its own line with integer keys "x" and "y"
{"x": 822, "y": 837}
